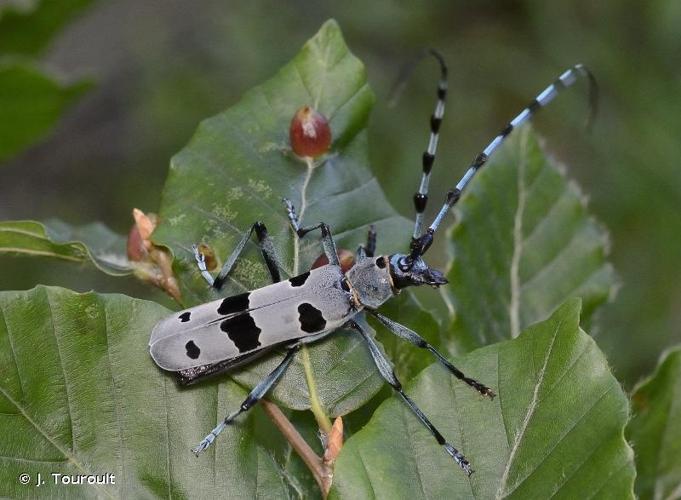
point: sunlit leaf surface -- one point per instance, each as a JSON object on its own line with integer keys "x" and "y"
{"x": 79, "y": 394}
{"x": 554, "y": 430}
{"x": 523, "y": 244}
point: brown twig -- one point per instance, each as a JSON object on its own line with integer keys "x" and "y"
{"x": 334, "y": 443}
{"x": 307, "y": 454}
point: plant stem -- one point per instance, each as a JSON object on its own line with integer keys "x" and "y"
{"x": 307, "y": 454}
{"x": 323, "y": 420}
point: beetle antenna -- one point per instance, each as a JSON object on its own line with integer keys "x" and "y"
{"x": 428, "y": 158}
{"x": 567, "y": 79}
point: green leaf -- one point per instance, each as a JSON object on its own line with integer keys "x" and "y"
{"x": 26, "y": 27}
{"x": 79, "y": 394}
{"x": 655, "y": 430}
{"x": 30, "y": 104}
{"x": 235, "y": 171}
{"x": 523, "y": 244}
{"x": 554, "y": 430}
{"x": 93, "y": 242}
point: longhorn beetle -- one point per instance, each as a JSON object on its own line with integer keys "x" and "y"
{"x": 221, "y": 335}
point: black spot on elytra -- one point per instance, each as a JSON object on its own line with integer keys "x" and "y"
{"x": 193, "y": 350}
{"x": 299, "y": 280}
{"x": 235, "y": 304}
{"x": 184, "y": 317}
{"x": 311, "y": 319}
{"x": 380, "y": 262}
{"x": 243, "y": 331}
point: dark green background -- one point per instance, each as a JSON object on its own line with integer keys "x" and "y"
{"x": 161, "y": 67}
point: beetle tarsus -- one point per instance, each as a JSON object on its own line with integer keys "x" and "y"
{"x": 459, "y": 459}
{"x": 208, "y": 440}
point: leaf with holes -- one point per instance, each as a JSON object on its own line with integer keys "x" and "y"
{"x": 523, "y": 244}
{"x": 555, "y": 428}
{"x": 655, "y": 430}
{"x": 79, "y": 394}
{"x": 55, "y": 239}
{"x": 235, "y": 171}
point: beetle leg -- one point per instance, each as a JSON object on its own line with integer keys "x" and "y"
{"x": 386, "y": 370}
{"x": 415, "y": 339}
{"x": 266, "y": 247}
{"x": 253, "y": 397}
{"x": 327, "y": 238}
{"x": 369, "y": 249}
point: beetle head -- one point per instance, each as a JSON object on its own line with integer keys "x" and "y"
{"x": 407, "y": 271}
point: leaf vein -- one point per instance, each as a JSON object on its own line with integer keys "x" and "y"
{"x": 303, "y": 82}
{"x": 596, "y": 492}
{"x": 41, "y": 252}
{"x": 409, "y": 421}
{"x": 366, "y": 471}
{"x": 63, "y": 370}
{"x": 67, "y": 454}
{"x": 14, "y": 354}
{"x": 33, "y": 460}
{"x": 501, "y": 400}
{"x": 352, "y": 96}
{"x": 167, "y": 426}
{"x": 562, "y": 251}
{"x": 32, "y": 234}
{"x": 501, "y": 491}
{"x": 459, "y": 423}
{"x": 518, "y": 242}
{"x": 567, "y": 432}
{"x": 558, "y": 381}
{"x": 113, "y": 392}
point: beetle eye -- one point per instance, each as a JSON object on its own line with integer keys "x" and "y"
{"x": 403, "y": 264}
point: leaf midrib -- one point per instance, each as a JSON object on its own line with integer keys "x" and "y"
{"x": 113, "y": 391}
{"x": 63, "y": 369}
{"x": 514, "y": 302}
{"x": 42, "y": 253}
{"x": 501, "y": 491}
{"x": 68, "y": 456}
{"x": 322, "y": 419}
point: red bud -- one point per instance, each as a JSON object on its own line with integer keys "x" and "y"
{"x": 309, "y": 133}
{"x": 139, "y": 236}
{"x": 346, "y": 258}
